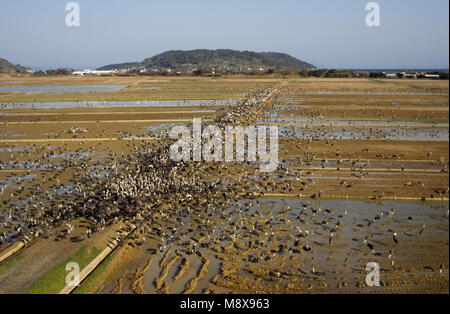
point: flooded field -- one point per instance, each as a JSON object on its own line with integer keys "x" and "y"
{"x": 64, "y": 88}
{"x": 291, "y": 246}
{"x": 362, "y": 178}
{"x": 143, "y": 103}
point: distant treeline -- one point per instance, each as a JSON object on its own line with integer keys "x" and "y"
{"x": 444, "y": 75}
{"x": 54, "y": 72}
{"x": 319, "y": 73}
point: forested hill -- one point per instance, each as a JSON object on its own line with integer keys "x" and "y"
{"x": 221, "y": 60}
{"x": 8, "y": 67}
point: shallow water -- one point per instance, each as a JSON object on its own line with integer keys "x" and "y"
{"x": 24, "y": 148}
{"x": 378, "y": 133}
{"x": 61, "y": 88}
{"x": 14, "y": 181}
{"x": 344, "y": 260}
{"x": 11, "y": 134}
{"x": 145, "y": 103}
{"x": 350, "y": 122}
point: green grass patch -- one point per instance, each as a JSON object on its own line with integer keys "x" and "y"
{"x": 55, "y": 280}
{"x": 11, "y": 261}
{"x": 97, "y": 278}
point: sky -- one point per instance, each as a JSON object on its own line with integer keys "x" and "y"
{"x": 326, "y": 33}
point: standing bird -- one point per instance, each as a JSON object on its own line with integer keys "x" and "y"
{"x": 370, "y": 246}
{"x": 422, "y": 229}
{"x": 390, "y": 253}
{"x": 394, "y": 237}
{"x": 441, "y": 268}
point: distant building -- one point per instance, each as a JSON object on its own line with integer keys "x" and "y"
{"x": 390, "y": 75}
{"x": 93, "y": 72}
{"x": 409, "y": 75}
{"x": 432, "y": 76}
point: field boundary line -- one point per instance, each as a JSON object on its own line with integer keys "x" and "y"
{"x": 102, "y": 113}
{"x": 371, "y": 170}
{"x": 103, "y": 121}
{"x": 11, "y": 250}
{"x": 348, "y": 198}
{"x": 443, "y": 126}
{"x": 100, "y": 139}
{"x": 111, "y": 247}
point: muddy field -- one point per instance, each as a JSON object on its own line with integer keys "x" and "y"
{"x": 362, "y": 177}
